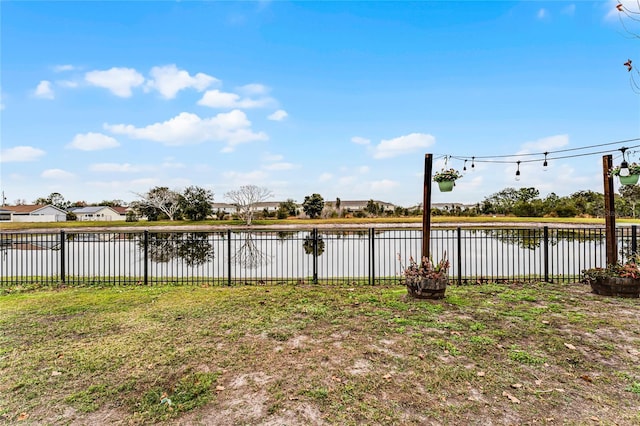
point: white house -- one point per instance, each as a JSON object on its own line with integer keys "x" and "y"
{"x": 101, "y": 213}
{"x": 33, "y": 213}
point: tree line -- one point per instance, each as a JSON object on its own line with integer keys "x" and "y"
{"x": 196, "y": 204}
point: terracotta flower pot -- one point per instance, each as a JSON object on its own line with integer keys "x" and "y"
{"x": 446, "y": 186}
{"x": 616, "y": 286}
{"x": 427, "y": 288}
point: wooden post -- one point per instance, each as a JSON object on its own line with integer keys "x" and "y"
{"x": 609, "y": 211}
{"x": 426, "y": 205}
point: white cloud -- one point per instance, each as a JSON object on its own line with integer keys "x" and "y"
{"x": 250, "y": 178}
{"x": 62, "y": 68}
{"x": 92, "y": 142}
{"x": 44, "y": 90}
{"x": 542, "y": 13}
{"x": 403, "y": 145}
{"x": 383, "y": 185}
{"x": 550, "y": 143}
{"x": 569, "y": 10}
{"x": 232, "y": 127}
{"x": 272, "y": 157}
{"x": 67, "y": 83}
{"x": 279, "y": 166}
{"x": 363, "y": 169}
{"x": 57, "y": 174}
{"x": 226, "y": 100}
{"x": 119, "y": 81}
{"x": 20, "y": 154}
{"x": 169, "y": 80}
{"x": 253, "y": 89}
{"x": 278, "y": 115}
{"x": 360, "y": 140}
{"x": 116, "y": 168}
{"x": 325, "y": 177}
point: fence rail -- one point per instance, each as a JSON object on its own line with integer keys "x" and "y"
{"x": 368, "y": 256}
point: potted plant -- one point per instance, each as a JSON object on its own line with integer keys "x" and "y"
{"x": 615, "y": 280}
{"x": 446, "y": 179}
{"x": 427, "y": 280}
{"x": 632, "y": 178}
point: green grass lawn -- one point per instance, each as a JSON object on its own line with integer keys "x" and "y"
{"x": 489, "y": 354}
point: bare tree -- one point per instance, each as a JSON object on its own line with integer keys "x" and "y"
{"x": 163, "y": 199}
{"x": 246, "y": 197}
{"x": 629, "y": 14}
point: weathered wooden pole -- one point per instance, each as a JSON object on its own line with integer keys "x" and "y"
{"x": 609, "y": 211}
{"x": 426, "y": 205}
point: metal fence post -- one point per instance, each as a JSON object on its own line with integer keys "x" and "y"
{"x": 229, "y": 257}
{"x": 146, "y": 256}
{"x": 315, "y": 255}
{"x": 634, "y": 240}
{"x": 459, "y": 259}
{"x": 372, "y": 265}
{"x": 545, "y": 250}
{"x": 63, "y": 255}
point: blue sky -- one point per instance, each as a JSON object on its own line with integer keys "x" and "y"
{"x": 103, "y": 100}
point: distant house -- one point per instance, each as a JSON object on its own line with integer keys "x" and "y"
{"x": 99, "y": 213}
{"x": 359, "y": 205}
{"x": 33, "y": 213}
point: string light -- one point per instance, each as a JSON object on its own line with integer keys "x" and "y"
{"x": 624, "y": 166}
{"x": 548, "y": 155}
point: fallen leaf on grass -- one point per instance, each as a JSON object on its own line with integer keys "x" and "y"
{"x": 219, "y": 388}
{"x": 516, "y": 385}
{"x": 570, "y": 346}
{"x": 56, "y": 373}
{"x": 23, "y": 416}
{"x": 480, "y": 374}
{"x": 586, "y": 378}
{"x": 511, "y": 397}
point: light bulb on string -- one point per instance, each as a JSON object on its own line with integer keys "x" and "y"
{"x": 624, "y": 166}
{"x": 545, "y": 166}
{"x": 473, "y": 164}
{"x": 464, "y": 168}
{"x": 518, "y": 171}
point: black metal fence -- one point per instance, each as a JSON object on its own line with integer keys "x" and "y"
{"x": 355, "y": 256}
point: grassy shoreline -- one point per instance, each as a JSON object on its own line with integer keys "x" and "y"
{"x": 310, "y": 223}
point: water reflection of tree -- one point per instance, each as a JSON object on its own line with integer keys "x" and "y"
{"x": 285, "y": 235}
{"x": 533, "y": 238}
{"x": 308, "y": 244}
{"x": 192, "y": 247}
{"x": 249, "y": 255}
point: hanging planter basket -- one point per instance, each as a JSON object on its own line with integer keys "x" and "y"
{"x": 629, "y": 180}
{"x": 446, "y": 185}
{"x": 446, "y": 179}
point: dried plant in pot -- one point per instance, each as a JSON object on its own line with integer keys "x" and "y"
{"x": 426, "y": 279}
{"x": 614, "y": 280}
